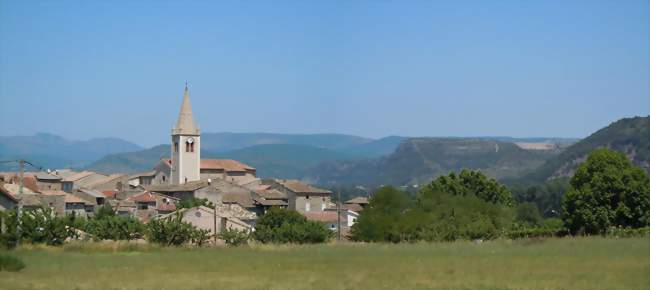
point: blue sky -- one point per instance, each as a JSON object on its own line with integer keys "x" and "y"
{"x": 370, "y": 68}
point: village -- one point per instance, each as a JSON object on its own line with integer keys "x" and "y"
{"x": 237, "y": 197}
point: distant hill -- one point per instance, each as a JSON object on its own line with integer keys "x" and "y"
{"x": 283, "y": 160}
{"x": 374, "y": 148}
{"x": 274, "y": 160}
{"x": 131, "y": 162}
{"x": 222, "y": 142}
{"x": 630, "y": 136}
{"x": 418, "y": 160}
{"x": 52, "y": 151}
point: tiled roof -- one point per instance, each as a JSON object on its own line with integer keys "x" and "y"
{"x": 271, "y": 202}
{"x": 243, "y": 199}
{"x": 166, "y": 207}
{"x": 78, "y": 176}
{"x": 190, "y": 186}
{"x": 13, "y": 188}
{"x": 144, "y": 197}
{"x": 219, "y": 164}
{"x": 147, "y": 173}
{"x": 45, "y": 176}
{"x": 299, "y": 187}
{"x": 53, "y": 192}
{"x": 92, "y": 192}
{"x": 29, "y": 181}
{"x": 353, "y": 207}
{"x": 70, "y": 198}
{"x": 104, "y": 180}
{"x": 6, "y": 193}
{"x": 225, "y": 164}
{"x": 271, "y": 194}
{"x": 110, "y": 193}
{"x": 358, "y": 200}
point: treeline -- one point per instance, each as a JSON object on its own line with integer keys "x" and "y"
{"x": 607, "y": 195}
{"x": 44, "y": 227}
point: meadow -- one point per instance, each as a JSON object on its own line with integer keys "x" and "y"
{"x": 567, "y": 263}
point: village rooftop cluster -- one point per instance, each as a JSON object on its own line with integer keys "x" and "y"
{"x": 238, "y": 196}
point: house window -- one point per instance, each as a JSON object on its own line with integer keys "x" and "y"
{"x": 163, "y": 178}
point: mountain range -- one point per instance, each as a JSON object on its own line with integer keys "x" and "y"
{"x": 331, "y": 159}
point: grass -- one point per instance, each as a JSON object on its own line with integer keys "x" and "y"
{"x": 570, "y": 263}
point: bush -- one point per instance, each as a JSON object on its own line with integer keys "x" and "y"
{"x": 287, "y": 226}
{"x": 37, "y": 226}
{"x": 112, "y": 227}
{"x": 173, "y": 231}
{"x": 233, "y": 237}
{"x": 393, "y": 216}
{"x": 10, "y": 263}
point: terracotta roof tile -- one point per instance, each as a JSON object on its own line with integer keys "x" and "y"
{"x": 299, "y": 187}
{"x": 225, "y": 164}
{"x": 358, "y": 200}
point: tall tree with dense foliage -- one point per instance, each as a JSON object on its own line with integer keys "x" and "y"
{"x": 469, "y": 182}
{"x": 382, "y": 219}
{"x": 607, "y": 190}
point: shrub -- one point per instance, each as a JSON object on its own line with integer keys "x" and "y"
{"x": 10, "y": 263}
{"x": 37, "y": 226}
{"x": 233, "y": 237}
{"x": 393, "y": 216}
{"x": 287, "y": 226}
{"x": 173, "y": 231}
{"x": 112, "y": 227}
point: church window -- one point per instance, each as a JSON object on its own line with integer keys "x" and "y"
{"x": 187, "y": 146}
{"x": 175, "y": 146}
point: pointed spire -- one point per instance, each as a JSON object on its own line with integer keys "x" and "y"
{"x": 185, "y": 124}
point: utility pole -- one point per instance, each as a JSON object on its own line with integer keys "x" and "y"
{"x": 338, "y": 214}
{"x": 19, "y": 208}
{"x": 214, "y": 225}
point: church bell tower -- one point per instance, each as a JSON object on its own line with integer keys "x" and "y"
{"x": 186, "y": 145}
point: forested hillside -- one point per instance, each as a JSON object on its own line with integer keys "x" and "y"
{"x": 630, "y": 136}
{"x": 418, "y": 160}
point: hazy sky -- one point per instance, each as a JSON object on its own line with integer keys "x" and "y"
{"x": 376, "y": 68}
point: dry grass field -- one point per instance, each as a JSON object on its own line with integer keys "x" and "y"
{"x": 570, "y": 263}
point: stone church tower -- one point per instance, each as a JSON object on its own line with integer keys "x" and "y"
{"x": 186, "y": 145}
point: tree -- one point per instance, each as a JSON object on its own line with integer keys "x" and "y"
{"x": 528, "y": 215}
{"x": 288, "y": 226}
{"x": 382, "y": 219}
{"x": 173, "y": 231}
{"x": 607, "y": 190}
{"x": 470, "y": 182}
{"x": 194, "y": 202}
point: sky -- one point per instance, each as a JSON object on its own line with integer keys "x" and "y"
{"x": 85, "y": 69}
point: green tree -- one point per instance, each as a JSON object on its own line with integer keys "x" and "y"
{"x": 469, "y": 182}
{"x": 528, "y": 215}
{"x": 607, "y": 190}
{"x": 288, "y": 226}
{"x": 194, "y": 202}
{"x": 383, "y": 218}
{"x": 37, "y": 226}
{"x": 173, "y": 231}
